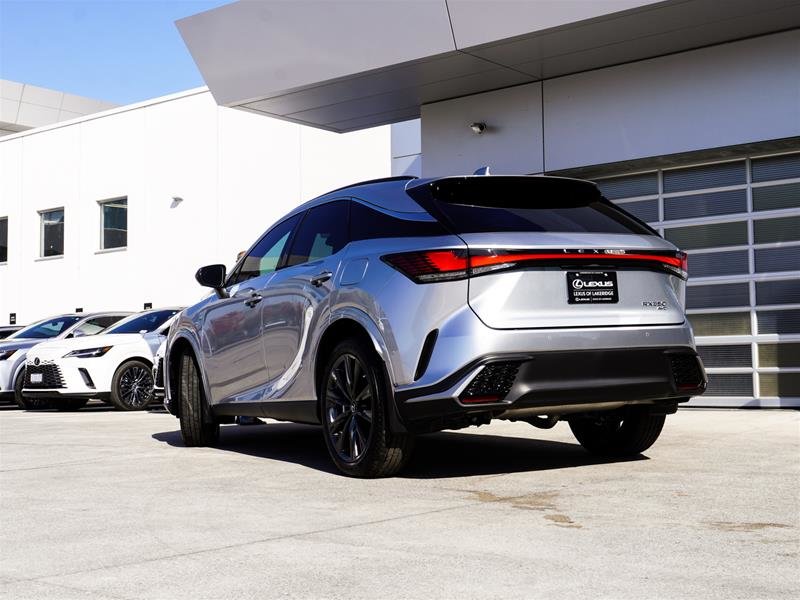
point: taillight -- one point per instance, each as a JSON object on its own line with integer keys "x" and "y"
{"x": 684, "y": 264}
{"x": 431, "y": 265}
{"x": 448, "y": 265}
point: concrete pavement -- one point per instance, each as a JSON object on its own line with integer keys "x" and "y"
{"x": 102, "y": 504}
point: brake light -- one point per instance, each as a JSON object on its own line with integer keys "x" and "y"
{"x": 483, "y": 261}
{"x": 449, "y": 265}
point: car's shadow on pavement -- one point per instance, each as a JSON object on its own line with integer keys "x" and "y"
{"x": 437, "y": 455}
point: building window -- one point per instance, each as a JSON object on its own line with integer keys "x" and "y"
{"x": 52, "y": 232}
{"x": 3, "y": 239}
{"x": 114, "y": 222}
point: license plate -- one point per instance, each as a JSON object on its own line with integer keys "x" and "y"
{"x": 591, "y": 287}
{"x": 36, "y": 378}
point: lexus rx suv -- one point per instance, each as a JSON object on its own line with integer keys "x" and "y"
{"x": 14, "y": 351}
{"x": 404, "y": 306}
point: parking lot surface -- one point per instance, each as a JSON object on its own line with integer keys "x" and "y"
{"x": 102, "y": 504}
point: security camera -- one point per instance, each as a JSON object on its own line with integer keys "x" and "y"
{"x": 478, "y": 128}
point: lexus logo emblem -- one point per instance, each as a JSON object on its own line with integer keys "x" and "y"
{"x": 36, "y": 361}
{"x": 580, "y": 284}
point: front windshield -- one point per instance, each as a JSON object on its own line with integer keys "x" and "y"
{"x": 149, "y": 321}
{"x": 46, "y": 329}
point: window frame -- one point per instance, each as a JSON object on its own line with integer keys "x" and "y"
{"x": 42, "y": 214}
{"x": 101, "y": 204}
{"x": 4, "y": 261}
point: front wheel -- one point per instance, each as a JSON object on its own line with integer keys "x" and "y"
{"x": 132, "y": 386}
{"x": 27, "y": 403}
{"x": 618, "y": 434}
{"x": 195, "y": 428}
{"x": 355, "y": 397}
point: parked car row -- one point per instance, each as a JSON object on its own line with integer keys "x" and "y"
{"x": 62, "y": 362}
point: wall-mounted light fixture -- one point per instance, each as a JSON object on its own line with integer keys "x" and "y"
{"x": 478, "y": 127}
{"x": 176, "y": 200}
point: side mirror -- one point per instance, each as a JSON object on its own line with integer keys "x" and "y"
{"x": 213, "y": 276}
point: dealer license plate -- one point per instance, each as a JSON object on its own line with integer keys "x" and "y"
{"x": 590, "y": 287}
{"x": 36, "y": 378}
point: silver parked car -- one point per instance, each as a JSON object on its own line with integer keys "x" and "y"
{"x": 14, "y": 350}
{"x": 404, "y": 306}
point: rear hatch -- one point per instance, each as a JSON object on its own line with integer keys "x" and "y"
{"x": 547, "y": 252}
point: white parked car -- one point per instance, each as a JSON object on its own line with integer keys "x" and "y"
{"x": 115, "y": 366}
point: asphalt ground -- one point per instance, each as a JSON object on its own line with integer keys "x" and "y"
{"x": 102, "y": 504}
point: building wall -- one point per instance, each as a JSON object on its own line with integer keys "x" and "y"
{"x": 511, "y": 143}
{"x": 736, "y": 93}
{"x": 235, "y": 173}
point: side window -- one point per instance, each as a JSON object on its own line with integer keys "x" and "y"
{"x": 93, "y": 326}
{"x": 266, "y": 254}
{"x": 369, "y": 224}
{"x": 324, "y": 231}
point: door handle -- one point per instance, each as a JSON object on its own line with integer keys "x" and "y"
{"x": 320, "y": 278}
{"x": 254, "y": 299}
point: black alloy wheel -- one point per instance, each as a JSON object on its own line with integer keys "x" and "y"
{"x": 132, "y": 387}
{"x": 349, "y": 406}
{"x": 355, "y": 400}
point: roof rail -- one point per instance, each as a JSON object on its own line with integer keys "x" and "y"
{"x": 371, "y": 181}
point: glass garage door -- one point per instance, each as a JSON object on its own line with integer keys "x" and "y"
{"x": 739, "y": 221}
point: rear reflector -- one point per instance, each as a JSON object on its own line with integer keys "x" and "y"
{"x": 492, "y": 384}
{"x": 428, "y": 266}
{"x": 687, "y": 371}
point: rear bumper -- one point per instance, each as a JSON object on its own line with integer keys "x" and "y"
{"x": 554, "y": 383}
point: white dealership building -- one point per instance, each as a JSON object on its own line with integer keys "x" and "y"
{"x": 117, "y": 209}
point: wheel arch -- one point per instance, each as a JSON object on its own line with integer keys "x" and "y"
{"x": 353, "y": 324}
{"x": 128, "y": 359}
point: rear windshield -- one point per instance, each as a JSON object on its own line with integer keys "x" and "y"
{"x": 148, "y": 322}
{"x": 498, "y": 204}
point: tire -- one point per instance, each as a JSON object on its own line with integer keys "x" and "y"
{"x": 132, "y": 386}
{"x": 626, "y": 434}
{"x": 70, "y": 404}
{"x": 28, "y": 403}
{"x": 354, "y": 402}
{"x": 196, "y": 430}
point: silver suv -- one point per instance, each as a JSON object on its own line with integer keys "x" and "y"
{"x": 404, "y": 306}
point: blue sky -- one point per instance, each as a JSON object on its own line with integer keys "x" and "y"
{"x": 120, "y": 51}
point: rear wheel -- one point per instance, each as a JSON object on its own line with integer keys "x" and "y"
{"x": 196, "y": 430}
{"x": 355, "y": 396}
{"x": 132, "y": 386}
{"x": 27, "y": 403}
{"x": 618, "y": 434}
